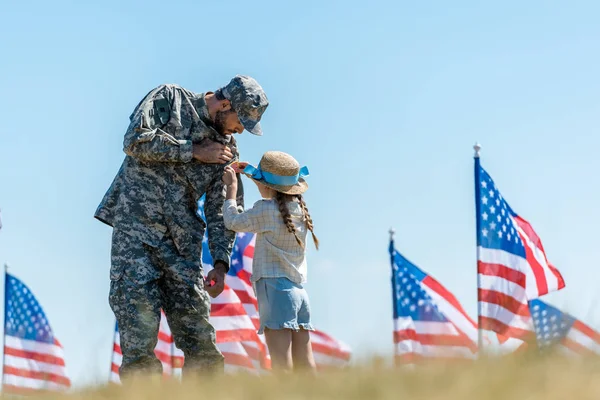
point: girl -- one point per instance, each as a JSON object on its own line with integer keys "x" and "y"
{"x": 281, "y": 221}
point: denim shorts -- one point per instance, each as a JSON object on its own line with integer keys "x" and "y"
{"x": 282, "y": 304}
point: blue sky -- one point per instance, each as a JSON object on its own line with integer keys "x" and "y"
{"x": 383, "y": 101}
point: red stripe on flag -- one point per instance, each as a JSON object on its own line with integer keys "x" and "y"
{"x": 45, "y": 358}
{"x": 528, "y": 230}
{"x": 501, "y": 271}
{"x": 504, "y": 300}
{"x": 449, "y": 297}
{"x": 244, "y": 276}
{"x": 323, "y": 335}
{"x": 433, "y": 339}
{"x": 501, "y": 338}
{"x": 330, "y": 351}
{"x": 536, "y": 267}
{"x": 38, "y": 375}
{"x": 583, "y": 328}
{"x": 246, "y": 298}
{"x": 556, "y": 273}
{"x": 227, "y": 310}
{"x": 163, "y": 357}
{"x": 236, "y": 335}
{"x": 165, "y": 337}
{"x": 491, "y": 324}
{"x": 253, "y": 352}
{"x": 238, "y": 360}
{"x": 249, "y": 251}
{"x": 578, "y": 347}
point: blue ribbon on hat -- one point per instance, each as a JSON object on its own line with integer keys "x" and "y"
{"x": 274, "y": 179}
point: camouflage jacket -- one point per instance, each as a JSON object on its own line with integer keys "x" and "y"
{"x": 159, "y": 184}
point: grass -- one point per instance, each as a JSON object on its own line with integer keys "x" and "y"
{"x": 517, "y": 377}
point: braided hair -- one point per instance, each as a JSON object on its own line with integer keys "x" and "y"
{"x": 308, "y": 219}
{"x": 282, "y": 200}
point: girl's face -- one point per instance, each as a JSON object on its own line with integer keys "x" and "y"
{"x": 265, "y": 192}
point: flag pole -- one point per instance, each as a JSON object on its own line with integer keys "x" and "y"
{"x": 4, "y": 329}
{"x": 477, "y": 148}
{"x": 392, "y": 232}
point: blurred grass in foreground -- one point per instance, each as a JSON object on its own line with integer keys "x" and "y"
{"x": 516, "y": 377}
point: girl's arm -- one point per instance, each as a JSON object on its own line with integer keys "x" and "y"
{"x": 231, "y": 189}
{"x": 255, "y": 219}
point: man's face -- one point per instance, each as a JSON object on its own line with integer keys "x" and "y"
{"x": 228, "y": 123}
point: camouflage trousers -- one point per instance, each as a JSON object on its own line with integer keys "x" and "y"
{"x": 144, "y": 279}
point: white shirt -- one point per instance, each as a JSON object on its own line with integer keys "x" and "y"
{"x": 276, "y": 252}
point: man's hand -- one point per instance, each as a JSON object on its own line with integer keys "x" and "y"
{"x": 210, "y": 152}
{"x": 215, "y": 280}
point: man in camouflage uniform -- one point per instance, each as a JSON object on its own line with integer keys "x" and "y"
{"x": 177, "y": 146}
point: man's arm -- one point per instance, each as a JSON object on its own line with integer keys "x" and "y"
{"x": 148, "y": 137}
{"x": 220, "y": 239}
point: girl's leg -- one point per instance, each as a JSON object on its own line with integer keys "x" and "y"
{"x": 279, "y": 342}
{"x": 302, "y": 354}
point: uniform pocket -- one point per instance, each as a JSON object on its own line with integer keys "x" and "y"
{"x": 131, "y": 260}
{"x": 141, "y": 271}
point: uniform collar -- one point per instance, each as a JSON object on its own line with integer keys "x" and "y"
{"x": 202, "y": 109}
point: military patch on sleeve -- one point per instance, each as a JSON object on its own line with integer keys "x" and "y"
{"x": 160, "y": 112}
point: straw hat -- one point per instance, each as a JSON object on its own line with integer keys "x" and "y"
{"x": 279, "y": 171}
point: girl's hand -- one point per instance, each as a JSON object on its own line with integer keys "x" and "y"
{"x": 229, "y": 176}
{"x": 239, "y": 166}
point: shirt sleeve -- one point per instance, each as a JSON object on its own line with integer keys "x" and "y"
{"x": 255, "y": 219}
{"x": 148, "y": 138}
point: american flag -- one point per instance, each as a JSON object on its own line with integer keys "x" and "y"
{"x": 512, "y": 264}
{"x": 328, "y": 351}
{"x": 236, "y": 304}
{"x": 234, "y": 314}
{"x": 429, "y": 322}
{"x": 33, "y": 357}
{"x": 555, "y": 329}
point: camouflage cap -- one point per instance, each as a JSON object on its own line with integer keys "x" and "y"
{"x": 248, "y": 100}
